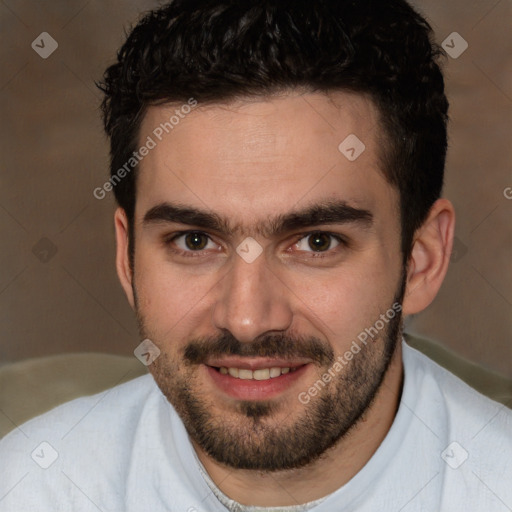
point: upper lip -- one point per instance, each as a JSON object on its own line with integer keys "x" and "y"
{"x": 255, "y": 363}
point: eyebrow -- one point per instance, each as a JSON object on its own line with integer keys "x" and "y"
{"x": 325, "y": 212}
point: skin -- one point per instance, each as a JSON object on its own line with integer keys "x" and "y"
{"x": 247, "y": 161}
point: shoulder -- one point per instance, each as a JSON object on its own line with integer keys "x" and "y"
{"x": 87, "y": 436}
{"x": 118, "y": 450}
{"x": 464, "y": 412}
{"x": 425, "y": 371}
{"x": 471, "y": 434}
{"x": 82, "y": 444}
{"x": 121, "y": 402}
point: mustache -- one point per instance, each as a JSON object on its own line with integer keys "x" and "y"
{"x": 274, "y": 345}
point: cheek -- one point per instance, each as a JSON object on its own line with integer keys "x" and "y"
{"x": 344, "y": 302}
{"x": 164, "y": 294}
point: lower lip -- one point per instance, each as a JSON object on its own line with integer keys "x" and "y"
{"x": 252, "y": 389}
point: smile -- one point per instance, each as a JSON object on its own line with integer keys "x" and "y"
{"x": 259, "y": 383}
{"x": 261, "y": 374}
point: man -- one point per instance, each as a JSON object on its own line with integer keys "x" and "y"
{"x": 278, "y": 167}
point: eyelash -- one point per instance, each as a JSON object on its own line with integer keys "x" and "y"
{"x": 194, "y": 254}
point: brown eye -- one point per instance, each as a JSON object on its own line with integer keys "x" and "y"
{"x": 196, "y": 241}
{"x": 319, "y": 242}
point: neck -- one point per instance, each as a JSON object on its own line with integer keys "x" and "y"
{"x": 326, "y": 474}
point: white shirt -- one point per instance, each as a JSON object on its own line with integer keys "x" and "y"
{"x": 449, "y": 449}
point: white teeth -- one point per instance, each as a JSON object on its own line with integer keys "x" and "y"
{"x": 275, "y": 372}
{"x": 233, "y": 372}
{"x": 244, "y": 374}
{"x": 261, "y": 374}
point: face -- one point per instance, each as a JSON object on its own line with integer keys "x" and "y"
{"x": 262, "y": 252}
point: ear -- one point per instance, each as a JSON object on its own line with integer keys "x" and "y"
{"x": 124, "y": 270}
{"x": 430, "y": 257}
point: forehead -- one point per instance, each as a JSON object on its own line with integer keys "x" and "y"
{"x": 259, "y": 156}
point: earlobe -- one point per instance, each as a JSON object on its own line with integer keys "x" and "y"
{"x": 124, "y": 270}
{"x": 430, "y": 257}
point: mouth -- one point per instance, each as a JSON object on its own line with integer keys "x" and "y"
{"x": 260, "y": 374}
{"x": 253, "y": 379}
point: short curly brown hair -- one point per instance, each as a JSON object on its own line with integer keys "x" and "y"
{"x": 219, "y": 50}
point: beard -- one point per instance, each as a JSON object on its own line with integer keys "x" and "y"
{"x": 256, "y": 435}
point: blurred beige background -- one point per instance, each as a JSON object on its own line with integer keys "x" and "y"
{"x": 58, "y": 288}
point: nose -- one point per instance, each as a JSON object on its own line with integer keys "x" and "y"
{"x": 252, "y": 301}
